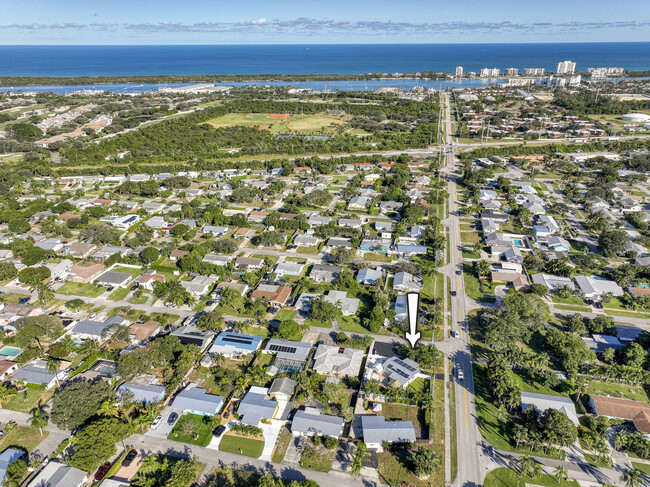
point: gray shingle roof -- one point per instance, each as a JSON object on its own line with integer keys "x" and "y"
{"x": 194, "y": 398}
{"x": 377, "y": 430}
{"x": 312, "y": 421}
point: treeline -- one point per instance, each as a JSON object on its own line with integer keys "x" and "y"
{"x": 206, "y": 78}
{"x": 589, "y": 103}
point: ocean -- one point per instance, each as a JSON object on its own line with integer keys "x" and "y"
{"x": 311, "y": 59}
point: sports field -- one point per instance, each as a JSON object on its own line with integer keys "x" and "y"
{"x": 279, "y": 123}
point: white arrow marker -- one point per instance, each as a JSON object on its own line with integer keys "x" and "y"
{"x": 412, "y": 307}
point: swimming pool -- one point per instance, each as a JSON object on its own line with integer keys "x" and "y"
{"x": 11, "y": 352}
{"x": 518, "y": 242}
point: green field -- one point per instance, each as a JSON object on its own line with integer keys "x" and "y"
{"x": 285, "y": 314}
{"x": 242, "y": 446}
{"x": 193, "y": 429}
{"x": 22, "y": 436}
{"x": 317, "y": 458}
{"x": 625, "y": 391}
{"x": 279, "y": 123}
{"x": 119, "y": 294}
{"x": 87, "y": 290}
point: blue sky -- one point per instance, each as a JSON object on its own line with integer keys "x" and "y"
{"x": 325, "y": 21}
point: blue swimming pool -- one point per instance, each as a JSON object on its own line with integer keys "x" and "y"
{"x": 10, "y": 352}
{"x": 518, "y": 242}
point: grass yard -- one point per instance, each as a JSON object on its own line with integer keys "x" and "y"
{"x": 469, "y": 237}
{"x": 119, "y": 294}
{"x": 138, "y": 299}
{"x": 87, "y": 290}
{"x": 394, "y": 469}
{"x": 570, "y": 300}
{"x": 317, "y": 458}
{"x": 312, "y": 249}
{"x": 471, "y": 254}
{"x": 568, "y": 307}
{"x": 630, "y": 314}
{"x": 22, "y": 436}
{"x": 507, "y": 477}
{"x": 431, "y": 283}
{"x": 192, "y": 428}
{"x": 643, "y": 467}
{"x": 14, "y": 298}
{"x": 27, "y": 399}
{"x": 376, "y": 257}
{"x": 135, "y": 272}
{"x": 242, "y": 446}
{"x": 625, "y": 391}
{"x": 313, "y": 122}
{"x": 472, "y": 287}
{"x": 403, "y": 412}
{"x": 285, "y": 314}
{"x": 417, "y": 385}
{"x": 281, "y": 445}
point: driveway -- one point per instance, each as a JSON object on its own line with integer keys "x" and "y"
{"x": 163, "y": 429}
{"x": 127, "y": 473}
{"x": 271, "y": 433}
{"x": 293, "y": 454}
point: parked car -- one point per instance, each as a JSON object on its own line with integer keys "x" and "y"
{"x": 220, "y": 431}
{"x": 156, "y": 422}
{"x": 458, "y": 273}
{"x": 453, "y": 293}
{"x": 301, "y": 442}
{"x": 102, "y": 471}
{"x": 172, "y": 418}
{"x": 128, "y": 459}
{"x": 455, "y": 334}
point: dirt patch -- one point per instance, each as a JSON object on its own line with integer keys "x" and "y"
{"x": 279, "y": 116}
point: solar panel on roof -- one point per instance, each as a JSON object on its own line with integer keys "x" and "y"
{"x": 282, "y": 348}
{"x": 236, "y": 339}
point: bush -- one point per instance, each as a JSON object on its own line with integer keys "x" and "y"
{"x": 74, "y": 303}
{"x": 331, "y": 443}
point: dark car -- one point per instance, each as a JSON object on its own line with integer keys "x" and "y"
{"x": 453, "y": 293}
{"x": 102, "y": 471}
{"x": 128, "y": 459}
{"x": 172, "y": 418}
{"x": 23, "y": 301}
{"x": 220, "y": 431}
{"x": 458, "y": 273}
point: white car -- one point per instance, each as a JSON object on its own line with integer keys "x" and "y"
{"x": 156, "y": 422}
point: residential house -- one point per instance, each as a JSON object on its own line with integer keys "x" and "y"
{"x": 274, "y": 294}
{"x": 282, "y": 389}
{"x": 378, "y": 431}
{"x": 348, "y": 306}
{"x": 325, "y": 273}
{"x": 7, "y": 367}
{"x": 350, "y": 223}
{"x": 595, "y": 287}
{"x": 199, "y": 285}
{"x": 613, "y": 407}
{"x": 381, "y": 226}
{"x": 7, "y": 457}
{"x": 59, "y": 270}
{"x": 214, "y": 259}
{"x": 311, "y": 421}
{"x": 142, "y": 393}
{"x": 235, "y": 345}
{"x": 195, "y": 400}
{"x": 244, "y": 233}
{"x": 600, "y": 343}
{"x": 56, "y": 474}
{"x": 369, "y": 276}
{"x": 214, "y": 230}
{"x": 359, "y": 203}
{"x": 558, "y": 244}
{"x": 405, "y": 282}
{"x": 552, "y": 282}
{"x": 36, "y": 373}
{"x": 257, "y": 405}
{"x": 96, "y": 330}
{"x": 80, "y": 250}
{"x": 240, "y": 287}
{"x": 141, "y": 333}
{"x": 305, "y": 240}
{"x": 53, "y": 243}
{"x": 107, "y": 250}
{"x": 407, "y": 250}
{"x": 542, "y": 402}
{"x": 337, "y": 361}
{"x": 392, "y": 371}
{"x": 114, "y": 279}
{"x": 317, "y": 220}
{"x": 176, "y": 254}
{"x": 389, "y": 206}
{"x": 401, "y": 308}
{"x": 248, "y": 264}
{"x": 158, "y": 223}
{"x": 149, "y": 279}
{"x": 288, "y": 269}
{"x": 339, "y": 243}
{"x": 190, "y": 335}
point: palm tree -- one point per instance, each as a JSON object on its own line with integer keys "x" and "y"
{"x": 561, "y": 474}
{"x": 360, "y": 455}
{"x": 6, "y": 392}
{"x": 45, "y": 293}
{"x": 525, "y": 465}
{"x": 632, "y": 477}
{"x": 39, "y": 419}
{"x": 109, "y": 409}
{"x": 53, "y": 368}
{"x": 482, "y": 268}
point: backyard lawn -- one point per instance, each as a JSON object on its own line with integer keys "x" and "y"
{"x": 625, "y": 391}
{"x": 242, "y": 446}
{"x": 86, "y": 290}
{"x": 192, "y": 428}
{"x": 22, "y": 436}
{"x": 25, "y": 400}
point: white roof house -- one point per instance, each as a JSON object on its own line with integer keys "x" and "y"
{"x": 404, "y": 281}
{"x": 552, "y": 282}
{"x": 376, "y": 431}
{"x": 594, "y": 287}
{"x": 542, "y": 402}
{"x": 338, "y": 361}
{"x": 200, "y": 285}
{"x": 347, "y": 305}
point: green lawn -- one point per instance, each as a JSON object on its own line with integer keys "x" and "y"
{"x": 471, "y": 254}
{"x": 243, "y": 446}
{"x": 472, "y": 286}
{"x": 86, "y": 290}
{"x": 568, "y": 307}
{"x": 138, "y": 299}
{"x": 506, "y": 477}
{"x": 317, "y": 458}
{"x": 643, "y": 467}
{"x": 625, "y": 391}
{"x": 119, "y": 294}
{"x": 285, "y": 314}
{"x": 200, "y": 433}
{"x": 431, "y": 283}
{"x": 376, "y": 257}
{"x": 417, "y": 385}
{"x": 630, "y": 314}
{"x": 396, "y": 470}
{"x": 312, "y": 249}
{"x": 27, "y": 399}
{"x": 571, "y": 300}
{"x": 127, "y": 270}
{"x": 469, "y": 237}
{"x": 22, "y": 436}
